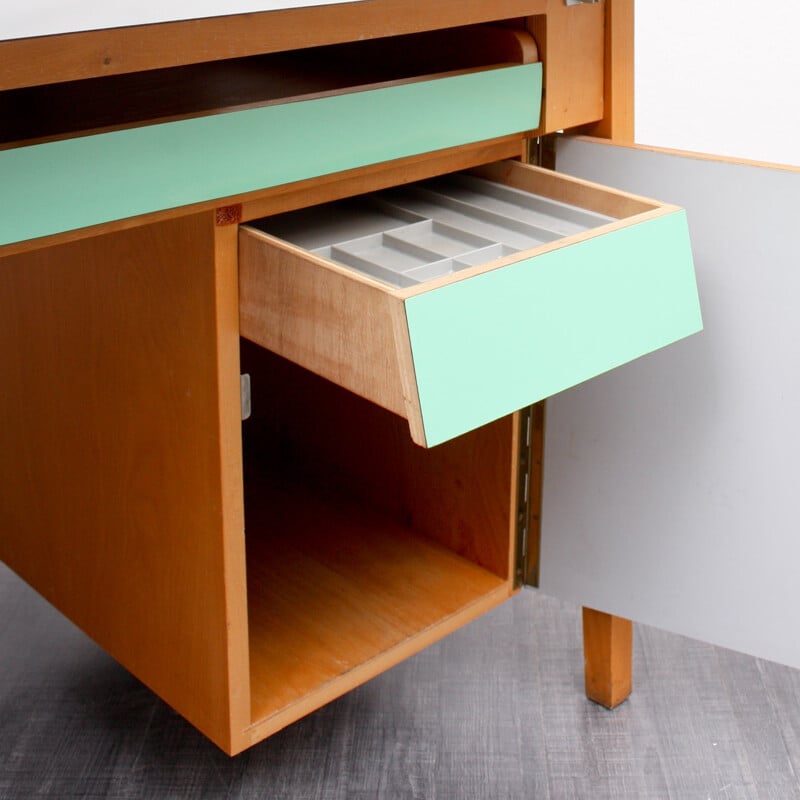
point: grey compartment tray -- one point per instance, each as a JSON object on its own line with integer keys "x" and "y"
{"x": 412, "y": 234}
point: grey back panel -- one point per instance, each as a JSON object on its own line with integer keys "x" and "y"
{"x": 672, "y": 484}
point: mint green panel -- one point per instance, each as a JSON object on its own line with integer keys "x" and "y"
{"x": 487, "y": 346}
{"x": 59, "y": 186}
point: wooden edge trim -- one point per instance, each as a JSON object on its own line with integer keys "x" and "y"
{"x": 234, "y": 563}
{"x": 408, "y": 375}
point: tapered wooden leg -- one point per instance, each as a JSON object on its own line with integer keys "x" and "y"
{"x": 608, "y": 657}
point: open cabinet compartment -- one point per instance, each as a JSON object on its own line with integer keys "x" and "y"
{"x": 362, "y": 548}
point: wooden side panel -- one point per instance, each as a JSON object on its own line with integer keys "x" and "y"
{"x": 115, "y": 487}
{"x": 618, "y": 71}
{"x": 571, "y": 45}
{"x": 327, "y": 321}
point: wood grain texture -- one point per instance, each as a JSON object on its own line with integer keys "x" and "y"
{"x": 331, "y": 322}
{"x": 90, "y": 54}
{"x": 92, "y": 105}
{"x": 362, "y": 547}
{"x": 608, "y": 654}
{"x": 571, "y": 46}
{"x": 459, "y": 494}
{"x": 493, "y": 711}
{"x": 116, "y": 498}
{"x": 618, "y": 74}
{"x": 339, "y": 593}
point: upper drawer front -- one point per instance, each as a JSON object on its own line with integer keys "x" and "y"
{"x": 75, "y": 183}
{"x": 501, "y": 296}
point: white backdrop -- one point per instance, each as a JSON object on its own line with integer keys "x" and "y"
{"x": 721, "y": 78}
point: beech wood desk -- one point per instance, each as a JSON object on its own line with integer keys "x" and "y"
{"x": 383, "y": 491}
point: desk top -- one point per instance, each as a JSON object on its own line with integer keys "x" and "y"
{"x": 49, "y": 17}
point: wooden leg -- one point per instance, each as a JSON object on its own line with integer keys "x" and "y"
{"x": 608, "y": 657}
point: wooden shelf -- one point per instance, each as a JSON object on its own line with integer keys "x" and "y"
{"x": 362, "y": 548}
{"x": 338, "y": 592}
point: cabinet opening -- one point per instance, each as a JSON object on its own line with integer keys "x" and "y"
{"x": 362, "y": 548}
{"x": 71, "y": 108}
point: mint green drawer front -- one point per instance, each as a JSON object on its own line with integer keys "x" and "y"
{"x": 59, "y": 186}
{"x": 487, "y": 346}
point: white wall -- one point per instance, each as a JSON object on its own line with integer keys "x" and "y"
{"x": 719, "y": 77}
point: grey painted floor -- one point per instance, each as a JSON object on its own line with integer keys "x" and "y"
{"x": 494, "y": 711}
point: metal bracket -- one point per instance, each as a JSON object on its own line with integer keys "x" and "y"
{"x": 579, "y": 2}
{"x": 524, "y": 450}
{"x": 530, "y": 444}
{"x": 247, "y": 403}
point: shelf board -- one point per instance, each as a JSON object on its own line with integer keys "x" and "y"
{"x": 338, "y": 593}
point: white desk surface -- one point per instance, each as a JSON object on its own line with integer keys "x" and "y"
{"x": 49, "y": 17}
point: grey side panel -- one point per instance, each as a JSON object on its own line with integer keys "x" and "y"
{"x": 672, "y": 484}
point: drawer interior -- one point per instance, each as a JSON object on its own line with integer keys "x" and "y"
{"x": 412, "y": 234}
{"x": 362, "y": 547}
{"x": 460, "y": 299}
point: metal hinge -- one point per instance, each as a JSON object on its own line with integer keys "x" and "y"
{"x": 529, "y": 476}
{"x": 579, "y": 2}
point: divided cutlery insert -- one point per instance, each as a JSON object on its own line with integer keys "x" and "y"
{"x": 412, "y": 234}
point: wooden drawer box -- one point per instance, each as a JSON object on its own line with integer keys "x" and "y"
{"x": 461, "y": 300}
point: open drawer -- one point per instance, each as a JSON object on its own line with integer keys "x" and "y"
{"x": 459, "y": 300}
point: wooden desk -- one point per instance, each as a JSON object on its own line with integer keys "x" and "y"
{"x": 247, "y": 584}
